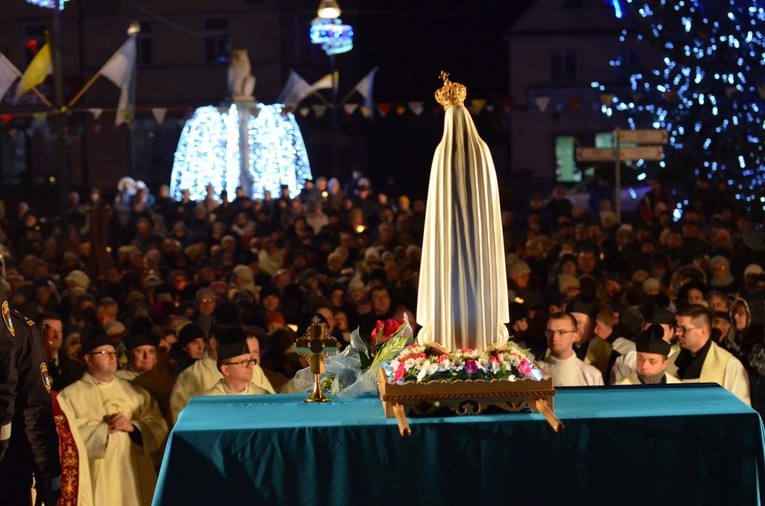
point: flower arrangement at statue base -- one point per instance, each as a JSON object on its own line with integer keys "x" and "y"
{"x": 353, "y": 372}
{"x": 428, "y": 378}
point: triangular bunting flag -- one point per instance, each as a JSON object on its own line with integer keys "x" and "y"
{"x": 366, "y": 111}
{"x": 96, "y": 112}
{"x": 159, "y": 114}
{"x": 349, "y": 109}
{"x": 542, "y": 103}
{"x": 670, "y": 95}
{"x": 416, "y": 108}
{"x": 13, "y": 132}
{"x": 97, "y": 128}
{"x": 319, "y": 110}
{"x": 40, "y": 117}
{"x": 384, "y": 108}
{"x": 6, "y": 118}
{"x": 477, "y": 105}
{"x": 400, "y": 110}
{"x": 490, "y": 108}
{"x": 304, "y": 111}
{"x": 574, "y": 101}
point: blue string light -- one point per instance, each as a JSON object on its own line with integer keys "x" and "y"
{"x": 708, "y": 90}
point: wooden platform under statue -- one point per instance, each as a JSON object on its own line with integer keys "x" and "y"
{"x": 467, "y": 397}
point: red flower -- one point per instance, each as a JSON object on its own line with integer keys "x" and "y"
{"x": 400, "y": 372}
{"x": 384, "y": 330}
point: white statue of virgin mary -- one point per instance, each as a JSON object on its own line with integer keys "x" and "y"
{"x": 462, "y": 300}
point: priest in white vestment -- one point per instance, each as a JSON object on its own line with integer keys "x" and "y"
{"x": 235, "y": 363}
{"x": 566, "y": 369}
{"x": 701, "y": 360}
{"x": 462, "y": 298}
{"x": 203, "y": 374}
{"x": 120, "y": 426}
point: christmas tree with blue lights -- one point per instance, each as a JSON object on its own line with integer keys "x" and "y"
{"x": 708, "y": 89}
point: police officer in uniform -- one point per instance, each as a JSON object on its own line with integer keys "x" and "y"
{"x": 8, "y": 378}
{"x": 33, "y": 444}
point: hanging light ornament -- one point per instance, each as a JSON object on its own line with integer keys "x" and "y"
{"x": 334, "y": 36}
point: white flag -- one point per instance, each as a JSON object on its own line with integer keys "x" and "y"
{"x": 294, "y": 91}
{"x": 119, "y": 68}
{"x": 297, "y": 88}
{"x": 124, "y": 112}
{"x": 365, "y": 87}
{"x": 8, "y": 74}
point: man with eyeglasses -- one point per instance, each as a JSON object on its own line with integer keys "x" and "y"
{"x": 120, "y": 425}
{"x": 204, "y": 373}
{"x": 566, "y": 369}
{"x": 701, "y": 360}
{"x": 235, "y": 363}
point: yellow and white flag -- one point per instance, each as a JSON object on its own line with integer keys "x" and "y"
{"x": 119, "y": 68}
{"x": 36, "y": 72}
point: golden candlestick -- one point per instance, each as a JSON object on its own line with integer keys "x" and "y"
{"x": 315, "y": 344}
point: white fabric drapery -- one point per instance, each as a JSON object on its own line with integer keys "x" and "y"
{"x": 462, "y": 300}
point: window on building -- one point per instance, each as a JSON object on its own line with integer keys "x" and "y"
{"x": 566, "y": 170}
{"x": 217, "y": 46}
{"x": 562, "y": 67}
{"x": 625, "y": 63}
{"x": 143, "y": 45}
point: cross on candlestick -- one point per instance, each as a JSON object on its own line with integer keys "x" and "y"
{"x": 314, "y": 343}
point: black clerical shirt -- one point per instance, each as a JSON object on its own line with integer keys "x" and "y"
{"x": 688, "y": 365}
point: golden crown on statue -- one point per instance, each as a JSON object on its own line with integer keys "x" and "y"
{"x": 450, "y": 93}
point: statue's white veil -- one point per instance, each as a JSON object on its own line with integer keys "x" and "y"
{"x": 462, "y": 299}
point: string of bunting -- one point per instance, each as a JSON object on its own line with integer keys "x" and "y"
{"x": 478, "y": 106}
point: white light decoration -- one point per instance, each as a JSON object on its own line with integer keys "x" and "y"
{"x": 209, "y": 152}
{"x": 49, "y": 4}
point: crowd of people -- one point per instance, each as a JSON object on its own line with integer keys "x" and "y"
{"x": 177, "y": 298}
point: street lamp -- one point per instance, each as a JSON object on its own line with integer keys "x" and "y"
{"x": 60, "y": 112}
{"x": 328, "y": 30}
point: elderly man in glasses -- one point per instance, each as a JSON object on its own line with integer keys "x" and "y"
{"x": 120, "y": 425}
{"x": 701, "y": 360}
{"x": 235, "y": 363}
{"x": 566, "y": 369}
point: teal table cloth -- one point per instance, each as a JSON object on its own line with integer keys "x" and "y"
{"x": 677, "y": 444}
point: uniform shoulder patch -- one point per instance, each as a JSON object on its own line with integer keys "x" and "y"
{"x": 45, "y": 376}
{"x": 6, "y": 310}
{"x": 19, "y": 314}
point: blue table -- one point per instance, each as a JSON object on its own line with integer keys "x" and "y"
{"x": 678, "y": 444}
